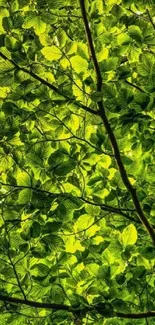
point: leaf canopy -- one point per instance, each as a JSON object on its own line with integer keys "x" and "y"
{"x": 77, "y": 175}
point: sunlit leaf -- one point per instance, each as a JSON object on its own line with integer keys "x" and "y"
{"x": 129, "y": 235}
{"x": 79, "y": 64}
{"x": 77, "y": 134}
{"x": 51, "y": 52}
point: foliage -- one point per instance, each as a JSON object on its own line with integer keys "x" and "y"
{"x": 77, "y": 162}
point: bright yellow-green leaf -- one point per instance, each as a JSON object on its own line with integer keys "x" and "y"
{"x": 78, "y": 89}
{"x": 83, "y": 222}
{"x": 64, "y": 63}
{"x": 123, "y": 39}
{"x": 112, "y": 172}
{"x": 79, "y": 64}
{"x": 4, "y": 13}
{"x": 6, "y": 163}
{"x": 103, "y": 54}
{"x": 153, "y": 210}
{"x": 51, "y": 53}
{"x": 36, "y": 23}
{"x": 113, "y": 2}
{"x": 129, "y": 235}
{"x": 92, "y": 209}
{"x": 72, "y": 48}
{"x": 112, "y": 254}
{"x": 4, "y": 91}
{"x": 132, "y": 180}
{"x": 23, "y": 178}
{"x": 92, "y": 230}
{"x": 70, "y": 188}
{"x": 117, "y": 269}
{"x": 99, "y": 6}
{"x": 82, "y": 50}
{"x": 39, "y": 26}
{"x": 6, "y": 66}
{"x": 80, "y": 267}
{"x": 24, "y": 196}
{"x": 74, "y": 122}
{"x": 50, "y": 77}
{"x": 73, "y": 245}
{"x": 105, "y": 162}
{"x": 97, "y": 240}
{"x": 15, "y": 140}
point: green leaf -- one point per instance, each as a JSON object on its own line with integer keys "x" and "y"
{"x": 148, "y": 144}
{"x": 35, "y": 229}
{"x": 7, "y": 24}
{"x": 6, "y": 66}
{"x": 82, "y": 50}
{"x": 83, "y": 222}
{"x": 129, "y": 235}
{"x": 51, "y": 53}
{"x": 76, "y": 96}
{"x": 96, "y": 96}
{"x": 24, "y": 196}
{"x": 3, "y": 3}
{"x": 23, "y": 3}
{"x": 123, "y": 39}
{"x": 40, "y": 269}
{"x": 65, "y": 168}
{"x": 105, "y": 309}
{"x": 52, "y": 241}
{"x": 12, "y": 44}
{"x": 148, "y": 252}
{"x": 51, "y": 227}
{"x": 135, "y": 32}
{"x": 79, "y": 64}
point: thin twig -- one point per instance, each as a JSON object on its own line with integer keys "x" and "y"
{"x": 49, "y": 85}
{"x": 150, "y": 18}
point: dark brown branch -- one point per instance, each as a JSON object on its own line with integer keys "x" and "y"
{"x": 124, "y": 175}
{"x": 21, "y": 187}
{"x": 49, "y": 85}
{"x": 104, "y": 207}
{"x": 110, "y": 132}
{"x": 135, "y": 86}
{"x": 34, "y": 303}
{"x": 71, "y": 309}
{"x": 111, "y": 209}
{"x": 91, "y": 46}
{"x": 146, "y": 314}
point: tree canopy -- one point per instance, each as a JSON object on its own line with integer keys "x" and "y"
{"x": 77, "y": 173}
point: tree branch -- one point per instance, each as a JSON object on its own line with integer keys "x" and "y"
{"x": 146, "y": 314}
{"x": 104, "y": 207}
{"x": 49, "y": 85}
{"x": 135, "y": 86}
{"x": 34, "y": 303}
{"x": 71, "y": 309}
{"x": 111, "y": 209}
{"x": 110, "y": 132}
{"x": 91, "y": 46}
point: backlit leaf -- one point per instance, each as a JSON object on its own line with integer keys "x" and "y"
{"x": 129, "y": 235}
{"x": 51, "y": 53}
